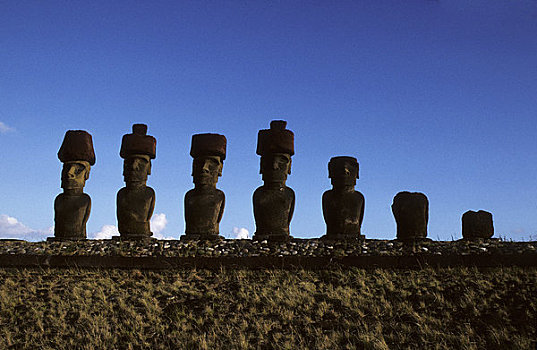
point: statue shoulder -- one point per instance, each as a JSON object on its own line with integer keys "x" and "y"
{"x": 150, "y": 190}
{"x": 289, "y": 190}
{"x": 259, "y": 190}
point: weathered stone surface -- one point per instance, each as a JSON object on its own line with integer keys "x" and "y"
{"x": 411, "y": 212}
{"x": 136, "y": 201}
{"x": 72, "y": 207}
{"x": 274, "y": 202}
{"x": 343, "y": 207}
{"x": 204, "y": 204}
{"x": 477, "y": 225}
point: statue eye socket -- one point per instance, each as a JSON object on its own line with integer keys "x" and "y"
{"x": 79, "y": 169}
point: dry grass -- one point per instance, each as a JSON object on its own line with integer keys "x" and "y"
{"x": 237, "y": 309}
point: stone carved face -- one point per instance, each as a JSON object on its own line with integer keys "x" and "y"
{"x": 136, "y": 168}
{"x": 343, "y": 172}
{"x": 75, "y": 174}
{"x": 275, "y": 166}
{"x": 206, "y": 170}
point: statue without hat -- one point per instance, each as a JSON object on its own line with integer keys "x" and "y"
{"x": 477, "y": 225}
{"x": 411, "y": 212}
{"x": 343, "y": 207}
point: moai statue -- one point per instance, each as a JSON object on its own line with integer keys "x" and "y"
{"x": 343, "y": 207}
{"x": 72, "y": 207}
{"x": 204, "y": 204}
{"x": 477, "y": 225}
{"x": 136, "y": 201}
{"x": 411, "y": 212}
{"x": 274, "y": 202}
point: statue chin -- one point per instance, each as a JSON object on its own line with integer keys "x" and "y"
{"x": 205, "y": 180}
{"x": 272, "y": 176}
{"x": 345, "y": 181}
{"x": 134, "y": 178}
{"x": 71, "y": 185}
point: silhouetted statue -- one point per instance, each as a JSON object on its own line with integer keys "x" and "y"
{"x": 274, "y": 202}
{"x": 204, "y": 204}
{"x": 72, "y": 207}
{"x": 411, "y": 212}
{"x": 477, "y": 225}
{"x": 136, "y": 201}
{"x": 343, "y": 207}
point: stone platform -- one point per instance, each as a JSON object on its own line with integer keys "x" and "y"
{"x": 301, "y": 253}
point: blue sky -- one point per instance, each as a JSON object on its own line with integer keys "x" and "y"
{"x": 431, "y": 96}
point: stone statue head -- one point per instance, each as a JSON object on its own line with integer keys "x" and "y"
{"x": 77, "y": 155}
{"x": 343, "y": 171}
{"x": 209, "y": 152}
{"x": 74, "y": 174}
{"x": 206, "y": 170}
{"x": 275, "y": 146}
{"x": 136, "y": 168}
{"x": 137, "y": 150}
{"x": 275, "y": 166}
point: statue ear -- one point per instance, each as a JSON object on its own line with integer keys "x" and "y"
{"x": 289, "y": 167}
{"x": 149, "y": 168}
{"x": 220, "y": 167}
{"x": 86, "y": 175}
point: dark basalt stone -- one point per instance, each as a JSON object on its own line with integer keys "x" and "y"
{"x": 204, "y": 204}
{"x": 72, "y": 207}
{"x": 477, "y": 225}
{"x": 71, "y": 213}
{"x": 343, "y": 207}
{"x": 274, "y": 202}
{"x": 411, "y": 212}
{"x": 136, "y": 201}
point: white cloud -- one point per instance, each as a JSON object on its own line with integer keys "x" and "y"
{"x": 5, "y": 128}
{"x": 158, "y": 224}
{"x": 107, "y": 231}
{"x": 12, "y": 228}
{"x": 241, "y": 233}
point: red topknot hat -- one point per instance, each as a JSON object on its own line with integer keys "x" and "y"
{"x": 138, "y": 143}
{"x": 208, "y": 145}
{"x": 277, "y": 139}
{"x": 77, "y": 145}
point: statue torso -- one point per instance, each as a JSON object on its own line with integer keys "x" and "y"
{"x": 273, "y": 209}
{"x": 70, "y": 215}
{"x": 134, "y": 210}
{"x": 203, "y": 211}
{"x": 343, "y": 212}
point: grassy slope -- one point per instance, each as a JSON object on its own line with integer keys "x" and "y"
{"x": 331, "y": 309}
